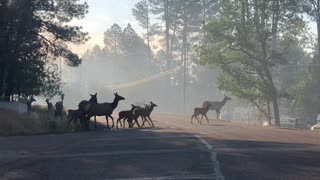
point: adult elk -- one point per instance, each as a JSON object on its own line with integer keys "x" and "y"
{"x": 100, "y": 109}
{"x": 216, "y": 105}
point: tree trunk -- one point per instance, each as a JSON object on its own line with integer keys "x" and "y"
{"x": 166, "y": 15}
{"x": 276, "y": 109}
{"x": 5, "y": 73}
{"x": 318, "y": 29}
{"x": 184, "y": 52}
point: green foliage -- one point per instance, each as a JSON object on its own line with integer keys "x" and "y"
{"x": 247, "y": 41}
{"x": 51, "y": 82}
{"x": 141, "y": 13}
{"x": 112, "y": 39}
{"x": 33, "y": 31}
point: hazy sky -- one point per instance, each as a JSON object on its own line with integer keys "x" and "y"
{"x": 103, "y": 13}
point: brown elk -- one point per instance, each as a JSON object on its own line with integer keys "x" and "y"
{"x": 100, "y": 109}
{"x": 200, "y": 111}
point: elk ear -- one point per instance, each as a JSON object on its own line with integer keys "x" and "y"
{"x": 95, "y": 94}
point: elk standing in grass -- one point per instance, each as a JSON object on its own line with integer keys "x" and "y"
{"x": 100, "y": 109}
{"x": 29, "y": 103}
{"x": 216, "y": 105}
{"x": 200, "y": 111}
{"x": 59, "y": 109}
{"x": 49, "y": 105}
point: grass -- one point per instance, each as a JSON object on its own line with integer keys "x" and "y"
{"x": 38, "y": 121}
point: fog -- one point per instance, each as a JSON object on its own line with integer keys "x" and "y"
{"x": 99, "y": 73}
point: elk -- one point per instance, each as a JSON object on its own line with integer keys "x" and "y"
{"x": 100, "y": 109}
{"x": 203, "y": 111}
{"x": 139, "y": 111}
{"x": 216, "y": 105}
{"x": 74, "y": 115}
{"x": 93, "y": 99}
{"x": 147, "y": 112}
{"x": 49, "y": 105}
{"x": 127, "y": 115}
{"x": 59, "y": 109}
{"x": 29, "y": 103}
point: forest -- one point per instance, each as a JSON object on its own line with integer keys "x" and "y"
{"x": 263, "y": 53}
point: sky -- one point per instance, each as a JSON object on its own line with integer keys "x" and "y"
{"x": 102, "y": 14}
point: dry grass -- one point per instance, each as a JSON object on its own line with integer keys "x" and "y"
{"x": 36, "y": 122}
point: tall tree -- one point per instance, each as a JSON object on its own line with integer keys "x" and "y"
{"x": 241, "y": 42}
{"x": 112, "y": 39}
{"x": 30, "y": 30}
{"x": 141, "y": 13}
{"x": 312, "y": 8}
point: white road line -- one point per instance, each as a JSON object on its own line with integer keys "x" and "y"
{"x": 205, "y": 176}
{"x": 157, "y": 151}
{"x": 213, "y": 157}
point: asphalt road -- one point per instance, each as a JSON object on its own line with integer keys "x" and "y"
{"x": 175, "y": 149}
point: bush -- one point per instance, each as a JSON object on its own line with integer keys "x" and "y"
{"x": 36, "y": 122}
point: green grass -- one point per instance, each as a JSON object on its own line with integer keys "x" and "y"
{"x": 38, "y": 121}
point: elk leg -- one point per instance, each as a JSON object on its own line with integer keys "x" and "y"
{"x": 95, "y": 122}
{"x": 107, "y": 122}
{"x": 144, "y": 120}
{"x": 150, "y": 120}
{"x": 206, "y": 118}
{"x": 124, "y": 123}
{"x": 192, "y": 118}
{"x": 112, "y": 121}
{"x": 197, "y": 118}
{"x": 119, "y": 120}
{"x": 136, "y": 120}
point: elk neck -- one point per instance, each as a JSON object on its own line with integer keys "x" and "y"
{"x": 115, "y": 102}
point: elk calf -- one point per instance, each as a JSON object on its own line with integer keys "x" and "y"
{"x": 200, "y": 111}
{"x": 126, "y": 115}
{"x": 74, "y": 115}
{"x": 147, "y": 112}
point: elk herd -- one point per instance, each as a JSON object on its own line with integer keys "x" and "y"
{"x": 91, "y": 108}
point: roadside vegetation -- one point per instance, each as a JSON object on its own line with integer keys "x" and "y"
{"x": 38, "y": 121}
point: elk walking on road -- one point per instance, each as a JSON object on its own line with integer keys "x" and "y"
{"x": 216, "y": 105}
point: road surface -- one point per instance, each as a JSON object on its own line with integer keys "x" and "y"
{"x": 175, "y": 149}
